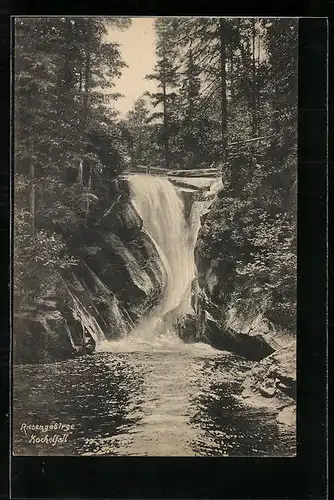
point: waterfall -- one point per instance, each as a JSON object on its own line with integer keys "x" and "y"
{"x": 162, "y": 211}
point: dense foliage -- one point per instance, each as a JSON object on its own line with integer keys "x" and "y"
{"x": 68, "y": 143}
{"x": 249, "y": 237}
{"x": 219, "y": 82}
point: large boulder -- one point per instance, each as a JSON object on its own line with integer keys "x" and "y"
{"x": 41, "y": 338}
{"x": 220, "y": 336}
{"x": 274, "y": 376}
{"x": 122, "y": 219}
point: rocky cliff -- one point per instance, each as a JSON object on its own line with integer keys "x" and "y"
{"x": 118, "y": 277}
{"x": 272, "y": 383}
{"x": 233, "y": 309}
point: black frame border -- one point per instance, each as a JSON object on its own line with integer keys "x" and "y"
{"x": 304, "y": 476}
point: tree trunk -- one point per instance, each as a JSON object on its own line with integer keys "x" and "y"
{"x": 68, "y": 66}
{"x": 165, "y": 122}
{"x": 32, "y": 194}
{"x": 223, "y": 100}
{"x": 80, "y": 176}
{"x": 254, "y": 104}
{"x": 80, "y": 83}
{"x": 80, "y": 166}
{"x": 231, "y": 73}
{"x": 190, "y": 76}
{"x": 258, "y": 97}
{"x": 64, "y": 73}
{"x": 88, "y": 192}
{"x": 87, "y": 88}
{"x": 87, "y": 76}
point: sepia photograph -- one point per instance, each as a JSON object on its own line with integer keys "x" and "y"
{"x": 154, "y": 236}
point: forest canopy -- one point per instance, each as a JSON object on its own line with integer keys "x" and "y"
{"x": 68, "y": 142}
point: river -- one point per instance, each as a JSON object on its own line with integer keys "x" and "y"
{"x": 142, "y": 399}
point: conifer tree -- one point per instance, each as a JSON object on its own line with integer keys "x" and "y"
{"x": 61, "y": 68}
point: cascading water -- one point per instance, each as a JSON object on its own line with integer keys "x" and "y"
{"x": 162, "y": 212}
{"x": 162, "y": 208}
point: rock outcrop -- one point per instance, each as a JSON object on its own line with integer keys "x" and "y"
{"x": 42, "y": 337}
{"x": 230, "y": 319}
{"x": 272, "y": 383}
{"x": 118, "y": 278}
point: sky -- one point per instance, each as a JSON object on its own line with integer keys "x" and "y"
{"x": 137, "y": 45}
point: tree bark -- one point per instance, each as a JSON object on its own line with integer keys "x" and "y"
{"x": 254, "y": 104}
{"x": 80, "y": 82}
{"x": 80, "y": 176}
{"x": 32, "y": 194}
{"x": 231, "y": 73}
{"x": 68, "y": 66}
{"x": 87, "y": 88}
{"x": 190, "y": 75}
{"x": 87, "y": 76}
{"x": 223, "y": 100}
{"x": 258, "y": 96}
{"x": 165, "y": 120}
{"x": 88, "y": 191}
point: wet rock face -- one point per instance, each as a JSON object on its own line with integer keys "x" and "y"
{"x": 51, "y": 332}
{"x": 118, "y": 278}
{"x": 129, "y": 269}
{"x": 119, "y": 275}
{"x": 274, "y": 377}
{"x": 41, "y": 339}
{"x": 122, "y": 220}
{"x": 216, "y": 327}
{"x": 239, "y": 326}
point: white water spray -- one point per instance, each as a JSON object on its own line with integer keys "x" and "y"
{"x": 161, "y": 207}
{"x": 162, "y": 211}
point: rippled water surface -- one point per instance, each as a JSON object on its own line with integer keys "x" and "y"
{"x": 145, "y": 400}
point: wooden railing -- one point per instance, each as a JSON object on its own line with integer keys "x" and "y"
{"x": 198, "y": 172}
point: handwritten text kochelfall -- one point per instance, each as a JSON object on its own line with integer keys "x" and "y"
{"x": 53, "y": 440}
